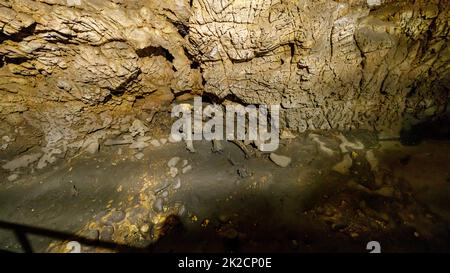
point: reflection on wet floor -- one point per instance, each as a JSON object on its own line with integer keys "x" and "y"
{"x": 320, "y": 192}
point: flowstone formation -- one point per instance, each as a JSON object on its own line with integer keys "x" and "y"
{"x": 76, "y": 73}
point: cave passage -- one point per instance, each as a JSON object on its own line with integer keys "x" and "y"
{"x": 358, "y": 105}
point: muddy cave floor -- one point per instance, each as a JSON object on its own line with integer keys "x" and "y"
{"x": 340, "y": 191}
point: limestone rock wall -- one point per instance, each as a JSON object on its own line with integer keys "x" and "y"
{"x": 78, "y": 70}
{"x": 330, "y": 64}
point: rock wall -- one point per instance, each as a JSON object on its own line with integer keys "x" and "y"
{"x": 330, "y": 64}
{"x": 73, "y": 72}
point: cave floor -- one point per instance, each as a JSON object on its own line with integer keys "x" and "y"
{"x": 339, "y": 192}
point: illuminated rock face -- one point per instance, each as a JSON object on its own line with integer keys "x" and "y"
{"x": 330, "y": 64}
{"x": 72, "y": 69}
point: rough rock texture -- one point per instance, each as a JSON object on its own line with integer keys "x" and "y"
{"x": 78, "y": 70}
{"x": 330, "y": 64}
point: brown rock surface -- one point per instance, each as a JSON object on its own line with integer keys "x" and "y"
{"x": 80, "y": 70}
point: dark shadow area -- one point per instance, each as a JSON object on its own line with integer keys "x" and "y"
{"x": 306, "y": 236}
{"x": 22, "y": 34}
{"x": 183, "y": 30}
{"x": 152, "y": 51}
{"x": 436, "y": 129}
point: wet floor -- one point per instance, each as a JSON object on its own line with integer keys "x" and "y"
{"x": 340, "y": 191}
